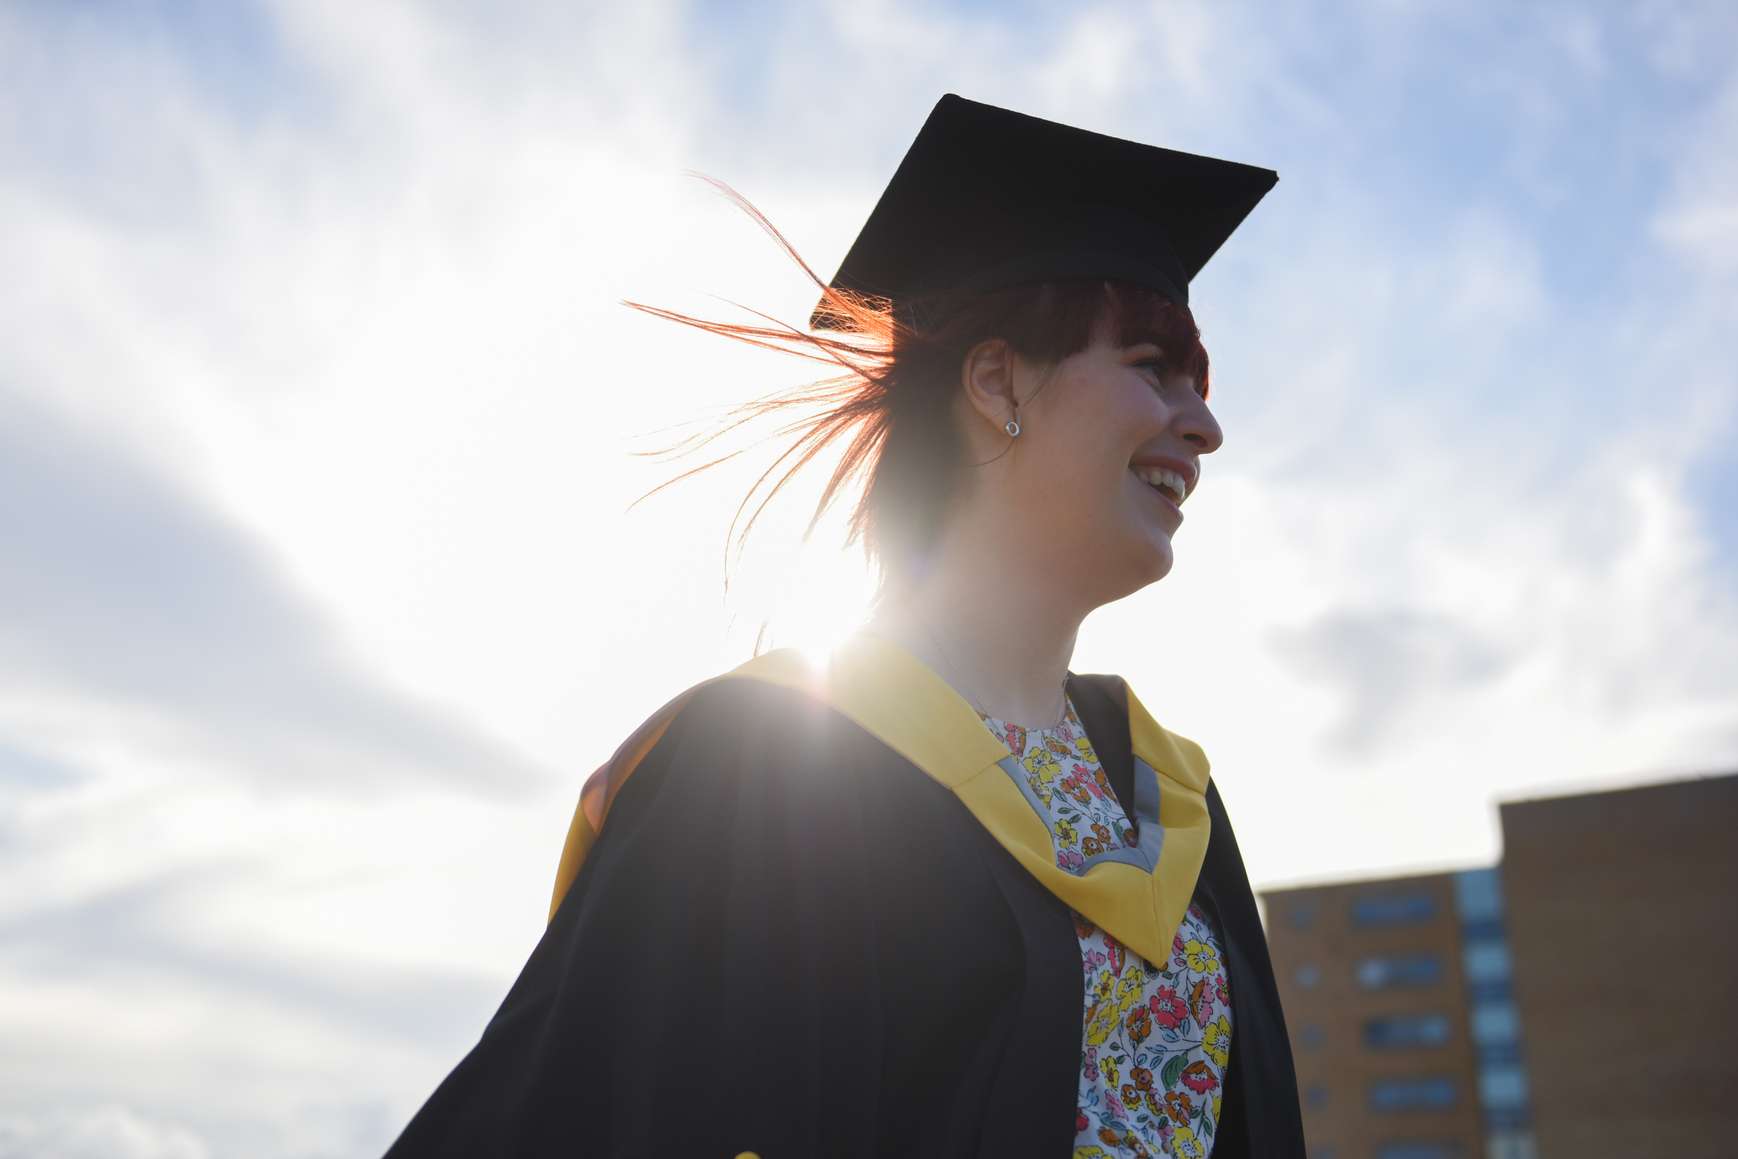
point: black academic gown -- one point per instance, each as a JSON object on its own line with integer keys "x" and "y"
{"x": 789, "y": 940}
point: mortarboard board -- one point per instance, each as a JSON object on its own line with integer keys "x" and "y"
{"x": 987, "y": 197}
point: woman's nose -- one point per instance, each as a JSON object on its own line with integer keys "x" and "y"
{"x": 1197, "y": 424}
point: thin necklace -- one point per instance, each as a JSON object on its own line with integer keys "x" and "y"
{"x": 1061, "y": 714}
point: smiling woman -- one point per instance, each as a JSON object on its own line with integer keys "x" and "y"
{"x": 940, "y": 896}
{"x": 896, "y": 412}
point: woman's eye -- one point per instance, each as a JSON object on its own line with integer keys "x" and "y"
{"x": 1160, "y": 369}
{"x": 1157, "y": 366}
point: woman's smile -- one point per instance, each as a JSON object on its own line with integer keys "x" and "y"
{"x": 1168, "y": 480}
{"x": 1159, "y": 497}
{"x": 1164, "y": 476}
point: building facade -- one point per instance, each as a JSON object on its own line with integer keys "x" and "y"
{"x": 1573, "y": 1003}
{"x": 1624, "y": 918}
{"x": 1395, "y": 993}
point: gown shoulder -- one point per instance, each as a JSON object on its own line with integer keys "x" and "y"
{"x": 713, "y": 947}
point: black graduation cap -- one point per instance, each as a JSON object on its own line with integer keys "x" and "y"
{"x": 987, "y": 197}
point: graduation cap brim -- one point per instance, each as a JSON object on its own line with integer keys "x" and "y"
{"x": 987, "y": 197}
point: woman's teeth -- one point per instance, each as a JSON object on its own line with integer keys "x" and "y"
{"x": 1162, "y": 479}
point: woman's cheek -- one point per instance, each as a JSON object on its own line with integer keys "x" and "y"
{"x": 1138, "y": 410}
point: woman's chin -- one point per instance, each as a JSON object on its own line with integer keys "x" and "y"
{"x": 1147, "y": 564}
{"x": 1157, "y": 557}
{"x": 1161, "y": 563}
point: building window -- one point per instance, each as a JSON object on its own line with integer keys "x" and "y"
{"x": 1308, "y": 975}
{"x": 1486, "y": 961}
{"x": 1491, "y": 928}
{"x": 1419, "y": 1149}
{"x": 1495, "y": 1022}
{"x": 1489, "y": 991}
{"x": 1393, "y": 909}
{"x": 1478, "y": 895}
{"x": 1511, "y": 1145}
{"x": 1503, "y": 1086}
{"x": 1402, "y": 1030}
{"x": 1499, "y": 1052}
{"x": 1412, "y": 1094}
{"x": 1399, "y": 970}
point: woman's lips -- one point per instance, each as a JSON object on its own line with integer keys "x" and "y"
{"x": 1164, "y": 500}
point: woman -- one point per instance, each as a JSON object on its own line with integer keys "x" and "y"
{"x": 943, "y": 897}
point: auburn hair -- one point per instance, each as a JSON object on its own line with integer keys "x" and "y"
{"x": 891, "y": 404}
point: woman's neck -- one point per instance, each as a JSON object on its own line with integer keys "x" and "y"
{"x": 991, "y": 629}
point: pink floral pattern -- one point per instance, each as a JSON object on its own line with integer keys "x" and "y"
{"x": 1156, "y": 1037}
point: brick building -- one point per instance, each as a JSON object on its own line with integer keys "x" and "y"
{"x": 1572, "y": 1003}
{"x": 1624, "y": 921}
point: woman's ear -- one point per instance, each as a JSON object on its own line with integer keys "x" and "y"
{"x": 987, "y": 374}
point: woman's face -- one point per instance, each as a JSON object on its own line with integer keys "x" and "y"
{"x": 1109, "y": 444}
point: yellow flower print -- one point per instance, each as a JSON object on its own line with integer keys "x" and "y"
{"x": 1202, "y": 957}
{"x": 1083, "y": 751}
{"x": 1065, "y": 832}
{"x": 1100, "y": 1021}
{"x": 1093, "y": 1152}
{"x": 1128, "y": 990}
{"x": 1216, "y": 1040}
{"x": 1041, "y": 769}
{"x": 1042, "y": 763}
{"x": 1215, "y": 1108}
{"x": 1102, "y": 1015}
{"x": 1112, "y": 1075}
{"x": 1184, "y": 1144}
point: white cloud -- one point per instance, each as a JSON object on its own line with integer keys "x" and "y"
{"x": 108, "y": 1132}
{"x": 118, "y": 592}
{"x": 1686, "y": 39}
{"x": 1699, "y": 222}
{"x": 1581, "y": 38}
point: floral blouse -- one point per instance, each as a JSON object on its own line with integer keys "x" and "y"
{"x": 1155, "y": 1036}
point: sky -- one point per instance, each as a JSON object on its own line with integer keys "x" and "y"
{"x": 321, "y": 583}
